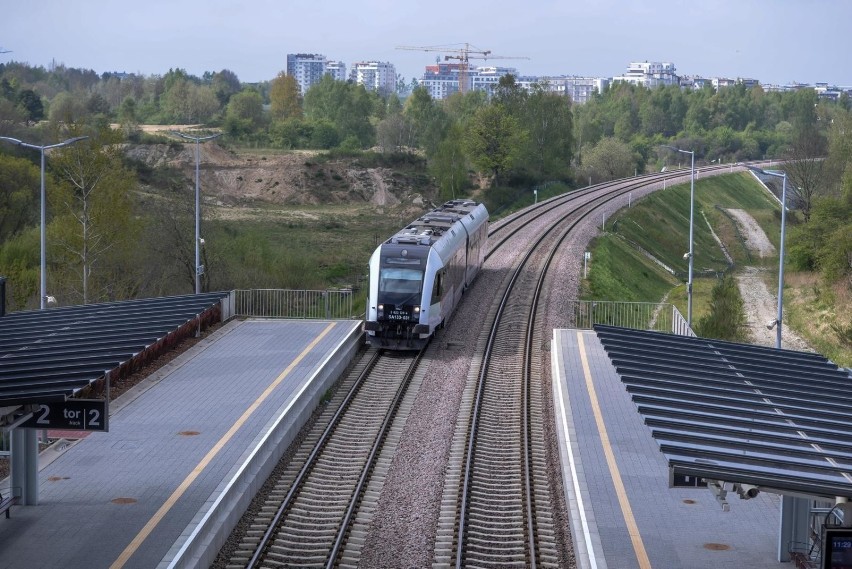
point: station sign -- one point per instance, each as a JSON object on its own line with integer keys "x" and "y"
{"x": 70, "y": 415}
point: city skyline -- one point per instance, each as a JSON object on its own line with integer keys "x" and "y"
{"x": 774, "y": 41}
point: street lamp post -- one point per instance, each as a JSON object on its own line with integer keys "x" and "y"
{"x": 691, "y": 226}
{"x": 778, "y": 318}
{"x": 42, "y": 148}
{"x": 199, "y": 269}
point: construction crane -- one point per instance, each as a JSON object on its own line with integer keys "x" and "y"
{"x": 463, "y": 55}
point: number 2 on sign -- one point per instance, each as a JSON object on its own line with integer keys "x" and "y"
{"x": 42, "y": 419}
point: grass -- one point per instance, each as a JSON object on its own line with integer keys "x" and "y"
{"x": 622, "y": 273}
{"x": 302, "y": 248}
{"x": 819, "y": 313}
{"x": 658, "y": 225}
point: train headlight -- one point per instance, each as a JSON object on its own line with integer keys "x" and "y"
{"x": 381, "y": 309}
{"x": 416, "y": 310}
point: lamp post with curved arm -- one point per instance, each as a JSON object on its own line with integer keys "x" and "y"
{"x": 691, "y": 226}
{"x": 42, "y": 148}
{"x": 199, "y": 268}
{"x": 783, "y": 176}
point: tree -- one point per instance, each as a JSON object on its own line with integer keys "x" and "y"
{"x": 839, "y": 158}
{"x": 422, "y": 111}
{"x": 94, "y": 230}
{"x": 805, "y": 167}
{"x": 726, "y": 319}
{"x": 67, "y": 108}
{"x": 345, "y": 105}
{"x": 244, "y": 114}
{"x": 225, "y": 84}
{"x": 493, "y": 141}
{"x": 284, "y": 98}
{"x": 31, "y": 103}
{"x": 393, "y": 132}
{"x": 510, "y": 95}
{"x": 449, "y": 166}
{"x": 10, "y": 115}
{"x": 97, "y": 105}
{"x": 548, "y": 119}
{"x": 609, "y": 159}
{"x": 20, "y": 181}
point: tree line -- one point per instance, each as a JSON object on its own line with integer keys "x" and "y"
{"x": 512, "y": 137}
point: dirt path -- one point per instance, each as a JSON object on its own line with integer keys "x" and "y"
{"x": 760, "y": 304}
{"x": 761, "y": 308}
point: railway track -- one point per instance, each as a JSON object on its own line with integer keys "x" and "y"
{"x": 497, "y": 505}
{"x": 307, "y": 517}
{"x": 496, "y": 509}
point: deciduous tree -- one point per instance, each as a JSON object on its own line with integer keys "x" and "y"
{"x": 805, "y": 167}
{"x": 609, "y": 159}
{"x": 494, "y": 141}
{"x": 547, "y": 117}
{"x": 284, "y": 98}
{"x": 93, "y": 231}
{"x": 20, "y": 181}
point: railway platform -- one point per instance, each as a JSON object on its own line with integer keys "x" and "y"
{"x": 623, "y": 513}
{"x": 183, "y": 451}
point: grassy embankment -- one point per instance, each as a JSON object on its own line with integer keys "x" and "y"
{"x": 659, "y": 225}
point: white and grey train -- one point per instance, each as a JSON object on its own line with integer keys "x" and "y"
{"x": 417, "y": 277}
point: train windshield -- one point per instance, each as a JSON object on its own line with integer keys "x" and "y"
{"x": 400, "y": 285}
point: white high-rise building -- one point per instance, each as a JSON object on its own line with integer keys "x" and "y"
{"x": 337, "y": 70}
{"x": 309, "y": 68}
{"x": 579, "y": 89}
{"x": 374, "y": 76}
{"x": 649, "y": 74}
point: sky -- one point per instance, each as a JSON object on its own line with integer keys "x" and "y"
{"x": 774, "y": 41}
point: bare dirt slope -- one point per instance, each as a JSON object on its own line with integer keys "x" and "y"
{"x": 761, "y": 305}
{"x": 244, "y": 179}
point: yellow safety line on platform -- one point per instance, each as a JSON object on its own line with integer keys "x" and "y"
{"x": 632, "y": 528}
{"x": 164, "y": 509}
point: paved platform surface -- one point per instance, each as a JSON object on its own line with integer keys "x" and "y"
{"x": 127, "y": 498}
{"x": 623, "y": 514}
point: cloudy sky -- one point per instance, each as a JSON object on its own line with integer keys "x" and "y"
{"x": 775, "y": 41}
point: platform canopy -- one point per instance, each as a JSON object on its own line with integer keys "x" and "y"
{"x": 777, "y": 419}
{"x": 50, "y": 355}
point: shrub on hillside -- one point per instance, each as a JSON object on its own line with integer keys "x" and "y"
{"x": 726, "y": 319}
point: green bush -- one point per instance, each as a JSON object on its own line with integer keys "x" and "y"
{"x": 726, "y": 319}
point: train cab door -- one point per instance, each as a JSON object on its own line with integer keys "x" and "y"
{"x": 437, "y": 306}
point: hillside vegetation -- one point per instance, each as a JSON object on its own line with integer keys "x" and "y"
{"x": 640, "y": 258}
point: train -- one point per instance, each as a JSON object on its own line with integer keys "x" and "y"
{"x": 418, "y": 276}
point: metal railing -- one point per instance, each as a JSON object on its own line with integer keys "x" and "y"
{"x": 299, "y": 304}
{"x": 661, "y": 317}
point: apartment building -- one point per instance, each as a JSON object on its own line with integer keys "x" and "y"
{"x": 579, "y": 89}
{"x": 441, "y": 79}
{"x": 337, "y": 70}
{"x": 307, "y": 68}
{"x": 374, "y": 76}
{"x": 649, "y": 74}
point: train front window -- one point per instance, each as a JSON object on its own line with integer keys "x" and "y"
{"x": 399, "y": 285}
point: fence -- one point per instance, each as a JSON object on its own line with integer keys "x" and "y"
{"x": 661, "y": 317}
{"x": 301, "y": 304}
